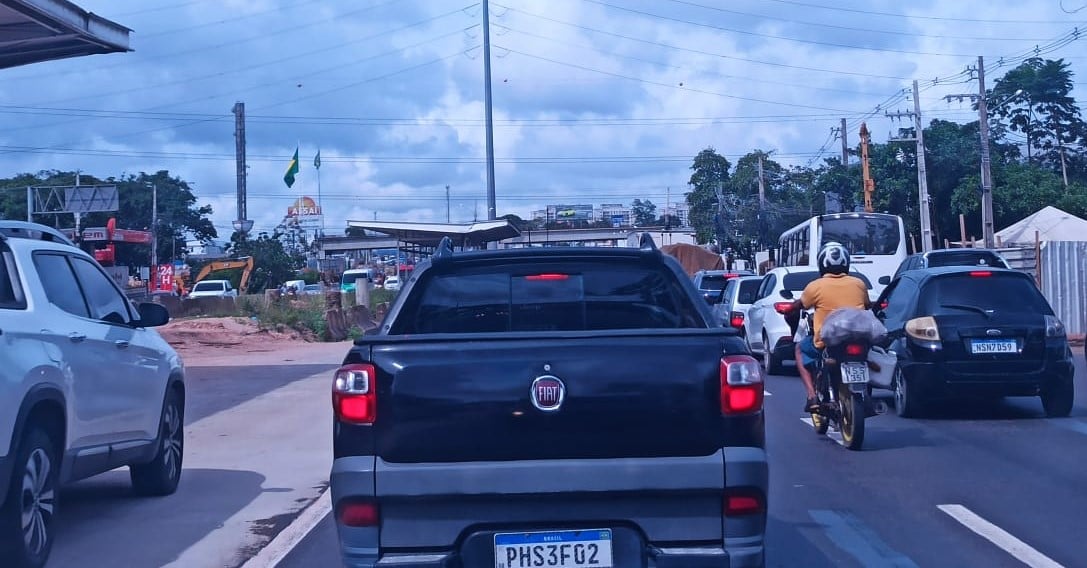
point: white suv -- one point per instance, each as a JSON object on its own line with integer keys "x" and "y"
{"x": 768, "y": 334}
{"x": 85, "y": 386}
{"x": 213, "y": 289}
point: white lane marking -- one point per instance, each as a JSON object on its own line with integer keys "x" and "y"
{"x": 282, "y": 545}
{"x": 1022, "y": 551}
{"x": 767, "y": 393}
{"x": 832, "y": 432}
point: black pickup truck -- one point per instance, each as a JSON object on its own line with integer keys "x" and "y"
{"x": 561, "y": 407}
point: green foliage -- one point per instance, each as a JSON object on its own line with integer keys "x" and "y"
{"x": 643, "y": 212}
{"x": 273, "y": 265}
{"x": 710, "y": 172}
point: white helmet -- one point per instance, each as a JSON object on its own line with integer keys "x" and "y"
{"x": 833, "y": 258}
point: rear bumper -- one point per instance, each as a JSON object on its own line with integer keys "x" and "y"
{"x": 938, "y": 379}
{"x": 664, "y": 512}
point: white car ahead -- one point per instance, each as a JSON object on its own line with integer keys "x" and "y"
{"x": 213, "y": 289}
{"x": 768, "y": 335}
{"x": 392, "y": 283}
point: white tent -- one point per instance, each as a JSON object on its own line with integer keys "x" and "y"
{"x": 1049, "y": 223}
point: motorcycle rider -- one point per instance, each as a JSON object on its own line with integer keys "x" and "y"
{"x": 834, "y": 289}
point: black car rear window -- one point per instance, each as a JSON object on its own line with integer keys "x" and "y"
{"x": 799, "y": 280}
{"x": 984, "y": 290}
{"x": 965, "y": 258}
{"x": 541, "y": 297}
{"x": 714, "y": 282}
{"x": 749, "y": 290}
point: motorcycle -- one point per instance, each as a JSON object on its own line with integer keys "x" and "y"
{"x": 841, "y": 378}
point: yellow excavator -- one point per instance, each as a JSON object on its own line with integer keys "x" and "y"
{"x": 245, "y": 263}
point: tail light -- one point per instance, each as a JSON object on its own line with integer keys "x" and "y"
{"x": 736, "y": 319}
{"x": 741, "y": 385}
{"x": 854, "y": 350}
{"x": 883, "y": 305}
{"x": 980, "y": 274}
{"x": 783, "y": 307}
{"x": 546, "y": 277}
{"x": 354, "y": 394}
{"x": 923, "y": 329}
{"x": 744, "y": 501}
{"x": 1054, "y": 327}
{"x": 359, "y": 513}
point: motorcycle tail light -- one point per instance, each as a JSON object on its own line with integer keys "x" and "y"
{"x": 854, "y": 350}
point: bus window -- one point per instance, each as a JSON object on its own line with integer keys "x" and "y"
{"x": 863, "y": 235}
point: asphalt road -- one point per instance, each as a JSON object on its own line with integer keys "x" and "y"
{"x": 1003, "y": 468}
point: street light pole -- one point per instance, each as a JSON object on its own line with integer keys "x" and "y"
{"x": 491, "y": 208}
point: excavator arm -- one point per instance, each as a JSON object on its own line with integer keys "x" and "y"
{"x": 245, "y": 263}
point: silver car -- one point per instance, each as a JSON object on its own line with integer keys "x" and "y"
{"x": 85, "y": 386}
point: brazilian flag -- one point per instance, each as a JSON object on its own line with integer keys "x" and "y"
{"x": 292, "y": 170}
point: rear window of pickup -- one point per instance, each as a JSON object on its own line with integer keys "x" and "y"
{"x": 548, "y": 297}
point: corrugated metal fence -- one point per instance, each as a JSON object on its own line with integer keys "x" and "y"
{"x": 1062, "y": 272}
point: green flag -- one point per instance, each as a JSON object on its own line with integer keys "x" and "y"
{"x": 292, "y": 170}
{"x": 317, "y": 159}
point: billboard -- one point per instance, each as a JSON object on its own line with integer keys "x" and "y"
{"x": 570, "y": 212}
{"x": 306, "y": 212}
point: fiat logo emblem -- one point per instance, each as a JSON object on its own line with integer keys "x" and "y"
{"x": 548, "y": 392}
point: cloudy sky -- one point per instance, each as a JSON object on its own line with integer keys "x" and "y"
{"x": 595, "y": 101}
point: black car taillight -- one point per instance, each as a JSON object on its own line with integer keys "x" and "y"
{"x": 354, "y": 394}
{"x": 741, "y": 385}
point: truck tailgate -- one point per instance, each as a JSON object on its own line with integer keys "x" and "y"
{"x": 625, "y": 395}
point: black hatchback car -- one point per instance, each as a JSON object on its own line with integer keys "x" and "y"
{"x": 981, "y": 258}
{"x": 965, "y": 331}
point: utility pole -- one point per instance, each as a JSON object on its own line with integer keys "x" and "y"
{"x": 922, "y": 172}
{"x": 986, "y": 172}
{"x": 154, "y": 233}
{"x": 762, "y": 185}
{"x": 492, "y": 214}
{"x": 447, "y": 204}
{"x": 845, "y": 143}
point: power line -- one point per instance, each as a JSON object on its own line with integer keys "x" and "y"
{"x": 771, "y": 36}
{"x": 909, "y": 34}
{"x": 702, "y": 52}
{"x": 917, "y": 17}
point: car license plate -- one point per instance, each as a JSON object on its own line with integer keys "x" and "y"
{"x": 986, "y": 346}
{"x": 854, "y": 373}
{"x": 560, "y": 549}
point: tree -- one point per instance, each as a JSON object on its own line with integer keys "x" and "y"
{"x": 179, "y": 217}
{"x": 643, "y": 212}
{"x": 272, "y": 263}
{"x": 710, "y": 173}
{"x": 1035, "y": 99}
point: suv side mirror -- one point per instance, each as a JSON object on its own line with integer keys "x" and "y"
{"x": 787, "y": 294}
{"x": 152, "y": 315}
{"x": 884, "y": 280}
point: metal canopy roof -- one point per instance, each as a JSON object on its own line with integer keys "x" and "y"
{"x": 32, "y": 31}
{"x": 430, "y": 234}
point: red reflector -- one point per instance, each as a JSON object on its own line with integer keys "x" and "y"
{"x": 359, "y": 514}
{"x": 737, "y": 319}
{"x": 883, "y": 305}
{"x": 547, "y": 277}
{"x": 854, "y": 350}
{"x": 783, "y": 307}
{"x": 981, "y": 273}
{"x": 742, "y": 503}
{"x": 355, "y": 408}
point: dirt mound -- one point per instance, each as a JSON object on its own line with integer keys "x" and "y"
{"x": 235, "y": 333}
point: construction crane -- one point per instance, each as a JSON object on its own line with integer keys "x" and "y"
{"x": 245, "y": 263}
{"x": 869, "y": 183}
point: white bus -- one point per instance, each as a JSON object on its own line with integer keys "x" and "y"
{"x": 876, "y": 243}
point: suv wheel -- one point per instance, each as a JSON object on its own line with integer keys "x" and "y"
{"x": 161, "y": 475}
{"x": 1057, "y": 398}
{"x": 26, "y": 520}
{"x": 771, "y": 363}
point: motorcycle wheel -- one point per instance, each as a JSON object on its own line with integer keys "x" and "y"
{"x": 853, "y": 413}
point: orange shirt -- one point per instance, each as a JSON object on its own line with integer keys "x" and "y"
{"x": 829, "y": 293}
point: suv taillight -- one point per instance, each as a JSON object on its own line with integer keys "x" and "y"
{"x": 736, "y": 319}
{"x": 741, "y": 385}
{"x": 354, "y": 394}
